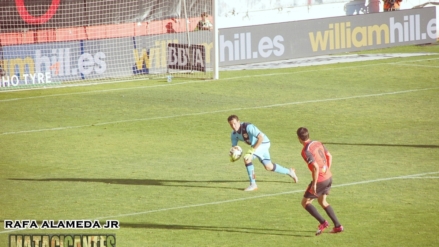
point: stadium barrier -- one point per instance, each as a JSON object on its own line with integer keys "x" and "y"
{"x": 118, "y": 56}
{"x": 334, "y": 35}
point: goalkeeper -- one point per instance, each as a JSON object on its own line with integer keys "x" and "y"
{"x": 259, "y": 148}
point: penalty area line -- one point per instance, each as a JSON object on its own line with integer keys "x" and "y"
{"x": 245, "y": 199}
{"x": 220, "y": 111}
{"x": 262, "y": 196}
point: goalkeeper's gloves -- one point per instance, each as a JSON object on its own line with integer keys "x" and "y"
{"x": 232, "y": 159}
{"x": 249, "y": 154}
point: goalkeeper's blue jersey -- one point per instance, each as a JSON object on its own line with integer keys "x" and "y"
{"x": 247, "y": 133}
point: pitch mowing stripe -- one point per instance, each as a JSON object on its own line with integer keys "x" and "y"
{"x": 198, "y": 81}
{"x": 246, "y": 198}
{"x": 263, "y": 196}
{"x": 219, "y": 111}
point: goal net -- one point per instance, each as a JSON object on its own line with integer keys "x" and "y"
{"x": 74, "y": 42}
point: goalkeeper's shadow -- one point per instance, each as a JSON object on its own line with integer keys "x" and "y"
{"x": 209, "y": 184}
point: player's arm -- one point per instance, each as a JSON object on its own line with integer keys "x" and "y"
{"x": 249, "y": 154}
{"x": 233, "y": 139}
{"x": 252, "y": 130}
{"x": 328, "y": 159}
{"x": 315, "y": 175}
{"x": 259, "y": 141}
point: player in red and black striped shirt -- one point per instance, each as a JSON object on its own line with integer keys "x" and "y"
{"x": 319, "y": 162}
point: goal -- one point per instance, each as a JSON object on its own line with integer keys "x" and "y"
{"x": 47, "y": 43}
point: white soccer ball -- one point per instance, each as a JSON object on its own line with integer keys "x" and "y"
{"x": 235, "y": 152}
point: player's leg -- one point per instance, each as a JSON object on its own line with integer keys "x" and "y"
{"x": 323, "y": 191}
{"x": 330, "y": 212}
{"x": 307, "y": 205}
{"x": 269, "y": 166}
{"x": 251, "y": 174}
{"x": 308, "y": 198}
{"x": 263, "y": 154}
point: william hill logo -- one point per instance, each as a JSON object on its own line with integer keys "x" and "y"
{"x": 343, "y": 35}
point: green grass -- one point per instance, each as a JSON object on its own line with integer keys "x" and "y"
{"x": 153, "y": 155}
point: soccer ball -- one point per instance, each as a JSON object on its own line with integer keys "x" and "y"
{"x": 235, "y": 153}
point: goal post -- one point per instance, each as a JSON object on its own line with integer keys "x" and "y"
{"x": 47, "y": 43}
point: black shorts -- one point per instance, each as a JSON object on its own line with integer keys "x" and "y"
{"x": 323, "y": 188}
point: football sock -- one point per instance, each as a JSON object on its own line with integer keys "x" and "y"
{"x": 331, "y": 215}
{"x": 251, "y": 172}
{"x": 280, "y": 169}
{"x": 313, "y": 211}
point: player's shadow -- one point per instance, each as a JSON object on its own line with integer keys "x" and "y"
{"x": 382, "y": 145}
{"x": 147, "y": 182}
{"x": 246, "y": 230}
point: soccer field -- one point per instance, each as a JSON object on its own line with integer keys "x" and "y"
{"x": 154, "y": 156}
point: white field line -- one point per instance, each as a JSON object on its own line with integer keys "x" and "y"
{"x": 219, "y": 111}
{"x": 202, "y": 81}
{"x": 418, "y": 65}
{"x": 246, "y": 198}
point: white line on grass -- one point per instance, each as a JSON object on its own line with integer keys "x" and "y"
{"x": 418, "y": 65}
{"x": 219, "y": 111}
{"x": 204, "y": 81}
{"x": 247, "y": 198}
{"x": 265, "y": 195}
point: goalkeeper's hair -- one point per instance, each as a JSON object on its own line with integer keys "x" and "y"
{"x": 231, "y": 117}
{"x": 303, "y": 133}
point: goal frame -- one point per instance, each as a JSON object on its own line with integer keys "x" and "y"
{"x": 38, "y": 55}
